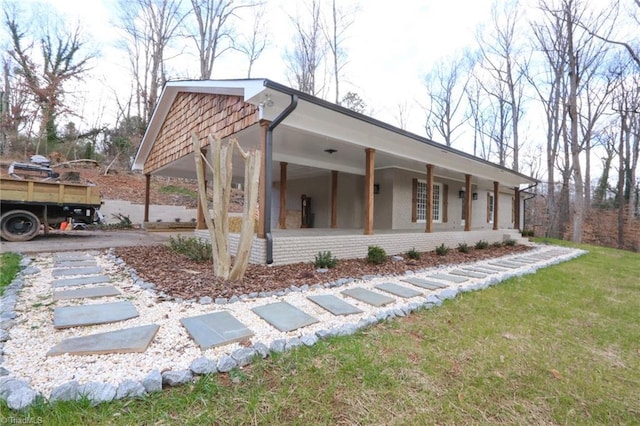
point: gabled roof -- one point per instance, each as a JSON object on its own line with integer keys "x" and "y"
{"x": 316, "y": 125}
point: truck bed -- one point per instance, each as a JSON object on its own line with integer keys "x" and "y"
{"x": 29, "y": 191}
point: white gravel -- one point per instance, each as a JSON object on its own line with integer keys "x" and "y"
{"x": 33, "y": 335}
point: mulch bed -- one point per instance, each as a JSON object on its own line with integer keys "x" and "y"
{"x": 178, "y": 276}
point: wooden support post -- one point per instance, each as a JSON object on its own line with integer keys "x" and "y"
{"x": 429, "y": 213}
{"x": 368, "y": 191}
{"x": 468, "y": 196}
{"x": 516, "y": 208}
{"x": 147, "y": 196}
{"x": 334, "y": 198}
{"x": 264, "y": 126}
{"x": 282, "y": 219}
{"x": 496, "y": 193}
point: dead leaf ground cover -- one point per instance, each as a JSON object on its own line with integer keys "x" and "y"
{"x": 177, "y": 276}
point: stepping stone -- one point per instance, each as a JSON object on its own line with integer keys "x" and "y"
{"x": 128, "y": 340}
{"x": 102, "y": 313}
{"x": 71, "y": 256}
{"x": 215, "y": 329}
{"x": 368, "y": 296}
{"x": 469, "y": 274}
{"x": 86, "y": 292}
{"x": 76, "y": 271}
{"x": 74, "y": 263}
{"x": 507, "y": 264}
{"x": 284, "y": 316}
{"x": 421, "y": 282}
{"x": 334, "y": 304}
{"x": 451, "y": 278}
{"x": 68, "y": 282}
{"x": 523, "y": 260}
{"x": 482, "y": 269}
{"x": 399, "y": 290}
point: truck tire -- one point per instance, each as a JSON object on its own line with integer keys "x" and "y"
{"x": 19, "y": 225}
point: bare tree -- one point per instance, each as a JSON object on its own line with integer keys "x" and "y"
{"x": 63, "y": 61}
{"x": 354, "y": 102}
{"x": 253, "y": 45}
{"x": 504, "y": 62}
{"x": 308, "y": 50}
{"x": 335, "y": 30}
{"x": 446, "y": 85}
{"x": 214, "y": 34}
{"x": 150, "y": 26}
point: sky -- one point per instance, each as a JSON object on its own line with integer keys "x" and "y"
{"x": 390, "y": 48}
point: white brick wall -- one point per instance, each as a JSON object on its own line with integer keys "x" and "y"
{"x": 293, "y": 249}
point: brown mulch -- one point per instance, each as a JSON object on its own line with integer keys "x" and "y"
{"x": 178, "y": 276}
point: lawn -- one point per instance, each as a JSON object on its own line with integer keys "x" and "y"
{"x": 558, "y": 347}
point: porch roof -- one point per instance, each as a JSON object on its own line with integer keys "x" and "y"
{"x": 315, "y": 126}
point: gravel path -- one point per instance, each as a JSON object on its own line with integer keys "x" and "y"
{"x": 31, "y": 333}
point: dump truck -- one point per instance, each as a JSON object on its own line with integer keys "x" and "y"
{"x": 28, "y": 203}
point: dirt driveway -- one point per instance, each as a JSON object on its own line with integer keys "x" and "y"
{"x": 87, "y": 240}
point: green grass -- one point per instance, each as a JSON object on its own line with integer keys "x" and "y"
{"x": 558, "y": 347}
{"x": 9, "y": 267}
{"x": 173, "y": 189}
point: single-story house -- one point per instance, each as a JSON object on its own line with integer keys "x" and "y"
{"x": 333, "y": 179}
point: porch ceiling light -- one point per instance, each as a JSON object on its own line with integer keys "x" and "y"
{"x": 330, "y": 150}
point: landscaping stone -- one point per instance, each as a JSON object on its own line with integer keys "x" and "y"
{"x": 206, "y": 300}
{"x": 102, "y": 313}
{"x": 294, "y": 342}
{"x": 4, "y": 335}
{"x": 226, "y": 364}
{"x": 9, "y": 385}
{"x": 153, "y": 381}
{"x": 88, "y": 292}
{"x": 278, "y": 345}
{"x": 243, "y": 356}
{"x": 128, "y": 340}
{"x": 64, "y": 272}
{"x": 284, "y": 316}
{"x": 30, "y": 270}
{"x": 22, "y": 398}
{"x": 65, "y": 392}
{"x": 447, "y": 293}
{"x": 368, "y": 296}
{"x": 68, "y": 282}
{"x": 203, "y": 365}
{"x": 334, "y": 304}
{"x": 97, "y": 392}
{"x": 176, "y": 378}
{"x": 261, "y": 349}
{"x": 215, "y": 329}
{"x": 309, "y": 339}
{"x": 130, "y": 389}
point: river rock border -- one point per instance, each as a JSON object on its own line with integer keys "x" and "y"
{"x": 19, "y": 395}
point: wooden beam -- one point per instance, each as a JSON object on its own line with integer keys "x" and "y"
{"x": 334, "y": 198}
{"x": 516, "y": 208}
{"x": 147, "y": 196}
{"x": 282, "y": 219}
{"x": 496, "y": 193}
{"x": 264, "y": 126}
{"x": 468, "y": 195}
{"x": 368, "y": 190}
{"x": 200, "y": 223}
{"x": 429, "y": 213}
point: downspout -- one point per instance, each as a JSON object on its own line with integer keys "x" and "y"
{"x": 268, "y": 174}
{"x": 524, "y": 204}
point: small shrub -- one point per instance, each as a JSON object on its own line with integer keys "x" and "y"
{"x": 191, "y": 247}
{"x": 413, "y": 254}
{"x": 482, "y": 244}
{"x": 177, "y": 220}
{"x": 442, "y": 250}
{"x": 463, "y": 248}
{"x": 497, "y": 244}
{"x": 325, "y": 260}
{"x": 510, "y": 242}
{"x": 376, "y": 255}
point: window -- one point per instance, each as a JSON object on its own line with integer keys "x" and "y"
{"x": 490, "y": 207}
{"x": 419, "y": 211}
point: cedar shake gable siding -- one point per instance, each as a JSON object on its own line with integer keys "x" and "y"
{"x": 207, "y": 114}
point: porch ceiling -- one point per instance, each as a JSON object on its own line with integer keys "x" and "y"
{"x": 315, "y": 126}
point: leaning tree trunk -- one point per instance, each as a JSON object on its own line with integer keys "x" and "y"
{"x": 222, "y": 168}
